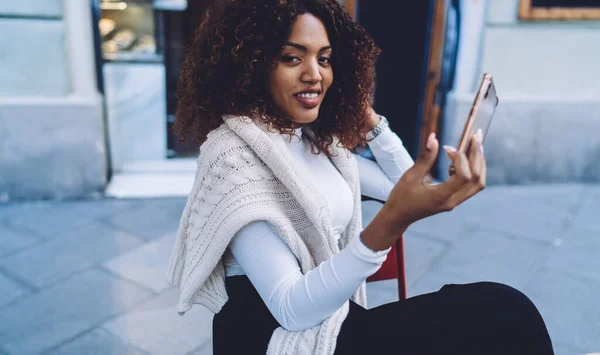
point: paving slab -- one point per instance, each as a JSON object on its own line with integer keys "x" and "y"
{"x": 565, "y": 349}
{"x": 97, "y": 342}
{"x": 119, "y": 302}
{"x": 170, "y": 333}
{"x": 150, "y": 220}
{"x": 381, "y": 292}
{"x": 147, "y": 264}
{"x": 436, "y": 278}
{"x": 538, "y": 213}
{"x": 53, "y": 219}
{"x": 486, "y": 255}
{"x": 12, "y": 241}
{"x": 588, "y": 214}
{"x": 11, "y": 290}
{"x": 569, "y": 305}
{"x": 21, "y": 216}
{"x": 57, "y": 314}
{"x": 81, "y": 248}
{"x": 205, "y": 349}
{"x": 449, "y": 226}
{"x": 420, "y": 253}
{"x": 578, "y": 253}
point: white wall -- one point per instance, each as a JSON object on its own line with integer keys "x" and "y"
{"x": 546, "y": 76}
{"x": 541, "y": 58}
{"x": 33, "y": 60}
{"x": 32, "y": 8}
{"x": 51, "y": 120}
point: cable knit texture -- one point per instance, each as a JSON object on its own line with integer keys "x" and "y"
{"x": 246, "y": 173}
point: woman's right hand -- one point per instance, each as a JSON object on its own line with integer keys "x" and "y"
{"x": 412, "y": 198}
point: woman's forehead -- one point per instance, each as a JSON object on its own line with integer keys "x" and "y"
{"x": 309, "y": 31}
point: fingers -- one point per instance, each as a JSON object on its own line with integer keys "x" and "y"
{"x": 426, "y": 159}
{"x": 476, "y": 159}
{"x": 475, "y": 182}
{"x": 478, "y": 168}
{"x": 455, "y": 185}
{"x": 462, "y": 170}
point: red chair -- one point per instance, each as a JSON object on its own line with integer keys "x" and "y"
{"x": 394, "y": 265}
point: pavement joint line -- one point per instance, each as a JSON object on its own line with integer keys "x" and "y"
{"x": 70, "y": 339}
{"x": 436, "y": 263}
{"x": 35, "y": 290}
{"x": 44, "y": 240}
{"x": 18, "y": 280}
{"x": 514, "y": 236}
{"x": 102, "y": 321}
{"x": 576, "y": 210}
{"x": 535, "y": 269}
{"x": 108, "y": 271}
{"x": 17, "y": 251}
{"x": 32, "y": 246}
{"x": 583, "y": 278}
{"x": 428, "y": 236}
{"x": 133, "y": 308}
{"x": 88, "y": 331}
{"x": 143, "y": 351}
{"x": 22, "y": 229}
{"x": 19, "y": 229}
{"x": 197, "y": 348}
{"x": 107, "y": 223}
{"x": 577, "y": 351}
{"x": 59, "y": 280}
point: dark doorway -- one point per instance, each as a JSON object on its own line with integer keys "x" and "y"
{"x": 403, "y": 36}
{"x": 179, "y": 31}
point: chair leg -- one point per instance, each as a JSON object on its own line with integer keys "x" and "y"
{"x": 401, "y": 269}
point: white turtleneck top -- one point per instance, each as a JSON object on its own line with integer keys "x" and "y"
{"x": 300, "y": 301}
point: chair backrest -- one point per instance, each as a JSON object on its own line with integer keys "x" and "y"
{"x": 394, "y": 266}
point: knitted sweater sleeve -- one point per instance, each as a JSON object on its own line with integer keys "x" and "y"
{"x": 300, "y": 301}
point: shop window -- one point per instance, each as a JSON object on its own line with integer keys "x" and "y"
{"x": 531, "y": 10}
{"x": 128, "y": 31}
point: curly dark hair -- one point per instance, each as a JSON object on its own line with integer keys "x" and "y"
{"x": 235, "y": 46}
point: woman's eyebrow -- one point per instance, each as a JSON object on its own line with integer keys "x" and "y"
{"x": 303, "y": 48}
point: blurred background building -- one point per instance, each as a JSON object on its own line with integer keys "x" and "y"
{"x": 544, "y": 58}
{"x": 87, "y": 89}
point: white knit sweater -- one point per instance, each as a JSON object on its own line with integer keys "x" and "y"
{"x": 245, "y": 173}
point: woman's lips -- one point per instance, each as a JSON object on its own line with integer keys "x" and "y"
{"x": 308, "y": 103}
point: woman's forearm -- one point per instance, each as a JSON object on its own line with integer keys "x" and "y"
{"x": 301, "y": 301}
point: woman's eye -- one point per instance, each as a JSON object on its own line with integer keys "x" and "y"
{"x": 325, "y": 60}
{"x": 289, "y": 59}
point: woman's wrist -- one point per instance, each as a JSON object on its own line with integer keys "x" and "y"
{"x": 382, "y": 232}
{"x": 378, "y": 129}
{"x": 373, "y": 119}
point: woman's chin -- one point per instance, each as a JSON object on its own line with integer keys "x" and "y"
{"x": 306, "y": 117}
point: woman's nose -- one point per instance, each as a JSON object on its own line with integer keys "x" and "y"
{"x": 311, "y": 72}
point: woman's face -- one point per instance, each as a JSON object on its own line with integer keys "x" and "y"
{"x": 302, "y": 73}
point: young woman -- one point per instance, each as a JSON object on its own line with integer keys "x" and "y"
{"x": 271, "y": 240}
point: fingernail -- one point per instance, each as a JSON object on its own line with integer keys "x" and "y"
{"x": 430, "y": 140}
{"x": 449, "y": 148}
{"x": 480, "y": 135}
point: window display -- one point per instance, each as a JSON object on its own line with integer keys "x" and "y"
{"x": 129, "y": 30}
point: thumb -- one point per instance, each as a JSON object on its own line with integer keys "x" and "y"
{"x": 427, "y": 157}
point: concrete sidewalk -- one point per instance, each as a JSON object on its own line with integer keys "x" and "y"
{"x": 87, "y": 277}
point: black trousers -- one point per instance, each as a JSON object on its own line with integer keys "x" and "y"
{"x": 478, "y": 318}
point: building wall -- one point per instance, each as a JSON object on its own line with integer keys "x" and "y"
{"x": 51, "y": 120}
{"x": 546, "y": 77}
